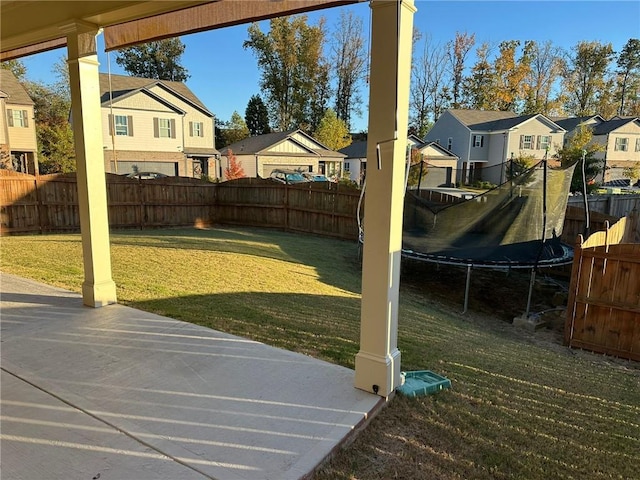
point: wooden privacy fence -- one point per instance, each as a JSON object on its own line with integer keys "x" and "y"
{"x": 603, "y": 311}
{"x": 49, "y": 203}
{"x": 615, "y": 205}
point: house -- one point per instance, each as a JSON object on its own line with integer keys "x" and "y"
{"x": 355, "y": 162}
{"x": 483, "y": 139}
{"x": 443, "y": 163}
{"x": 155, "y": 126}
{"x": 293, "y": 149}
{"x": 18, "y": 144}
{"x": 619, "y": 137}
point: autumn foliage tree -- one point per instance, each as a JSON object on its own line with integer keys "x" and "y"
{"x": 234, "y": 167}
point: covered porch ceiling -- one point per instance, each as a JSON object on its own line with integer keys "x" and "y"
{"x": 129, "y": 22}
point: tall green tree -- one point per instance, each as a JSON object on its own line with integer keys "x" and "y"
{"x": 256, "y": 116}
{"x": 159, "y": 59}
{"x": 584, "y": 76}
{"x": 628, "y": 71}
{"x": 332, "y": 131}
{"x": 479, "y": 88}
{"x": 348, "y": 56}
{"x": 236, "y": 130}
{"x": 295, "y": 75}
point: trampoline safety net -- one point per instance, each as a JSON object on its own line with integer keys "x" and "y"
{"x": 516, "y": 224}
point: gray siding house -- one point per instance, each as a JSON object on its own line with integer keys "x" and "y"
{"x": 482, "y": 139}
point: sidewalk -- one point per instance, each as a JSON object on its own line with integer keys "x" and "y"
{"x": 117, "y": 393}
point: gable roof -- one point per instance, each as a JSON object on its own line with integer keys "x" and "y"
{"x": 611, "y": 125}
{"x": 14, "y": 90}
{"x": 260, "y": 143}
{"x": 123, "y": 85}
{"x": 489, "y": 120}
{"x": 571, "y": 123}
{"x": 437, "y": 146}
{"x": 357, "y": 149}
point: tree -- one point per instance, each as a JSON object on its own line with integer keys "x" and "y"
{"x": 581, "y": 143}
{"x": 295, "y": 76}
{"x": 234, "y": 168}
{"x": 510, "y": 89}
{"x": 159, "y": 59}
{"x": 584, "y": 76}
{"x": 333, "y": 132}
{"x": 628, "y": 69}
{"x": 17, "y": 68}
{"x": 632, "y": 172}
{"x": 256, "y": 116}
{"x": 545, "y": 67}
{"x": 429, "y": 94}
{"x": 417, "y": 169}
{"x": 458, "y": 50}
{"x": 480, "y": 87}
{"x": 236, "y": 130}
{"x": 349, "y": 60}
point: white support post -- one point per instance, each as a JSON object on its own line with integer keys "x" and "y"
{"x": 98, "y": 288}
{"x": 378, "y": 361}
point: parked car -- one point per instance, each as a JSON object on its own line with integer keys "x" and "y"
{"x": 146, "y": 175}
{"x": 315, "y": 177}
{"x": 287, "y": 176}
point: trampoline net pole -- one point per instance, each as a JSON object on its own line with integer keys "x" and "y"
{"x": 466, "y": 289}
{"x": 531, "y": 282}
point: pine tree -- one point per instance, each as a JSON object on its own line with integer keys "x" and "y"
{"x": 257, "y": 117}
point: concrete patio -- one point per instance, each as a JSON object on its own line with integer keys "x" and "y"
{"x": 117, "y": 393}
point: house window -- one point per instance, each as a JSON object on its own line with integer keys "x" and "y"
{"x": 526, "y": 142}
{"x": 18, "y": 118}
{"x": 196, "y": 129}
{"x": 544, "y": 142}
{"x": 449, "y": 143}
{"x": 164, "y": 127}
{"x": 122, "y": 126}
{"x": 478, "y": 140}
{"x": 622, "y": 144}
{"x": 347, "y": 167}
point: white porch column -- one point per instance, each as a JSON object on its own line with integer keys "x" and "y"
{"x": 98, "y": 288}
{"x": 378, "y": 361}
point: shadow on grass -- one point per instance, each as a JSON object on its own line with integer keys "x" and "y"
{"x": 324, "y": 327}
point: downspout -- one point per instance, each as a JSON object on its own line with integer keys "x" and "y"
{"x": 112, "y": 121}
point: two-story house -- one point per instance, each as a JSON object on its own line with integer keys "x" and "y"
{"x": 155, "y": 126}
{"x": 293, "y": 150}
{"x": 18, "y": 143}
{"x": 619, "y": 139}
{"x": 482, "y": 139}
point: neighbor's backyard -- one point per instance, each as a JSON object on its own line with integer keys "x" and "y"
{"x": 521, "y": 405}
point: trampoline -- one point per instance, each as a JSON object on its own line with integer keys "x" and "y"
{"x": 514, "y": 225}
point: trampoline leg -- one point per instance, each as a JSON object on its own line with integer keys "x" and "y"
{"x": 466, "y": 290}
{"x": 531, "y": 282}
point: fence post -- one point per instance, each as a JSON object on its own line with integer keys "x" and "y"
{"x": 573, "y": 286}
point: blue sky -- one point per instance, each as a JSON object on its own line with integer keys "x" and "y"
{"x": 224, "y": 75}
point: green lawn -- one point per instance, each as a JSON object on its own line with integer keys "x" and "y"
{"x": 521, "y": 406}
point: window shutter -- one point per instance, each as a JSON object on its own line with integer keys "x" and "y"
{"x": 202, "y": 129}
{"x": 10, "y": 117}
{"x": 156, "y": 129}
{"x": 191, "y": 129}
{"x": 25, "y": 118}
{"x": 481, "y": 140}
{"x": 538, "y": 143}
{"x": 110, "y": 125}
{"x": 521, "y": 142}
{"x": 173, "y": 128}
{"x": 130, "y": 125}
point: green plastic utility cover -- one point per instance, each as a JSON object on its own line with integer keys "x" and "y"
{"x": 422, "y": 382}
